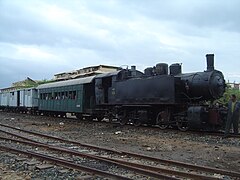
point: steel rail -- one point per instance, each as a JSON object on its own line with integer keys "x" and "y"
{"x": 176, "y": 163}
{"x": 134, "y": 167}
{"x": 221, "y": 134}
{"x": 65, "y": 163}
{"x": 124, "y": 164}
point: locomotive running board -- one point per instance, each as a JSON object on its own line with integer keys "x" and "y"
{"x": 133, "y": 105}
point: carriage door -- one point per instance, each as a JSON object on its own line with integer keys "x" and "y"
{"x": 18, "y": 98}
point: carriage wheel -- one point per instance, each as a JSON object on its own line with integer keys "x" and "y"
{"x": 123, "y": 121}
{"x": 100, "y": 118}
{"x": 79, "y": 116}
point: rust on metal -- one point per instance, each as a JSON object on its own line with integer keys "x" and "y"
{"x": 176, "y": 163}
{"x": 142, "y": 171}
{"x": 65, "y": 163}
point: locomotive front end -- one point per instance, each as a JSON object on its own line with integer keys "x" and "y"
{"x": 200, "y": 87}
{"x": 207, "y": 85}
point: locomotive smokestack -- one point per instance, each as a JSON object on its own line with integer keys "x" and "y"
{"x": 133, "y": 71}
{"x": 210, "y": 62}
{"x": 133, "y": 68}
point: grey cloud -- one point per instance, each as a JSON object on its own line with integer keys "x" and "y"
{"x": 215, "y": 13}
{"x": 12, "y": 70}
{"x": 117, "y": 32}
{"x": 26, "y": 27}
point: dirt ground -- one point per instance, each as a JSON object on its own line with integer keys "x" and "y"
{"x": 170, "y": 144}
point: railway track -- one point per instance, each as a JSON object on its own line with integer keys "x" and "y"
{"x": 63, "y": 162}
{"x": 140, "y": 164}
{"x": 220, "y": 134}
{"x": 201, "y": 133}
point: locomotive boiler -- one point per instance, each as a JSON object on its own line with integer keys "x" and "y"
{"x": 207, "y": 85}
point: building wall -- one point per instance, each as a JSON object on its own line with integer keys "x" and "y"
{"x": 234, "y": 85}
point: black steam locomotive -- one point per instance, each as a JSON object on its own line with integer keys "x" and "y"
{"x": 162, "y": 98}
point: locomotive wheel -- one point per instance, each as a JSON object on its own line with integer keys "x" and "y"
{"x": 123, "y": 120}
{"x": 123, "y": 117}
{"x": 182, "y": 126}
{"x": 162, "y": 119}
{"x": 110, "y": 119}
{"x": 137, "y": 122}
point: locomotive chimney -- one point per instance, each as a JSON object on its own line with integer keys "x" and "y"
{"x": 133, "y": 68}
{"x": 133, "y": 71}
{"x": 210, "y": 62}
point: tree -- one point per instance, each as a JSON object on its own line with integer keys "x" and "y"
{"x": 227, "y": 95}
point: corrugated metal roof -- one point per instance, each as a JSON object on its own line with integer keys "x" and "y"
{"x": 84, "y": 80}
{"x": 107, "y": 74}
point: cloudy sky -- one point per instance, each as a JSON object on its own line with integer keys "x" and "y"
{"x": 39, "y": 38}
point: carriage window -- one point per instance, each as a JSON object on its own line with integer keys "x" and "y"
{"x": 66, "y": 95}
{"x": 55, "y": 95}
{"x": 62, "y": 95}
{"x": 74, "y": 95}
{"x": 29, "y": 92}
{"x": 49, "y": 95}
{"x": 70, "y": 95}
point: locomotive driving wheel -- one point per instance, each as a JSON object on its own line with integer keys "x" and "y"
{"x": 137, "y": 122}
{"x": 163, "y": 119}
{"x": 182, "y": 124}
{"x": 123, "y": 118}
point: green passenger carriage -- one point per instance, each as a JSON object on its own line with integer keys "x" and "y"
{"x": 72, "y": 96}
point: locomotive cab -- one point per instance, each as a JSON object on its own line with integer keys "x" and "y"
{"x": 105, "y": 84}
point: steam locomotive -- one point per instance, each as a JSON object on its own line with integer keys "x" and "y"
{"x": 155, "y": 97}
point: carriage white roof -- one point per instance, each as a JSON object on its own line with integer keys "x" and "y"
{"x": 84, "y": 80}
